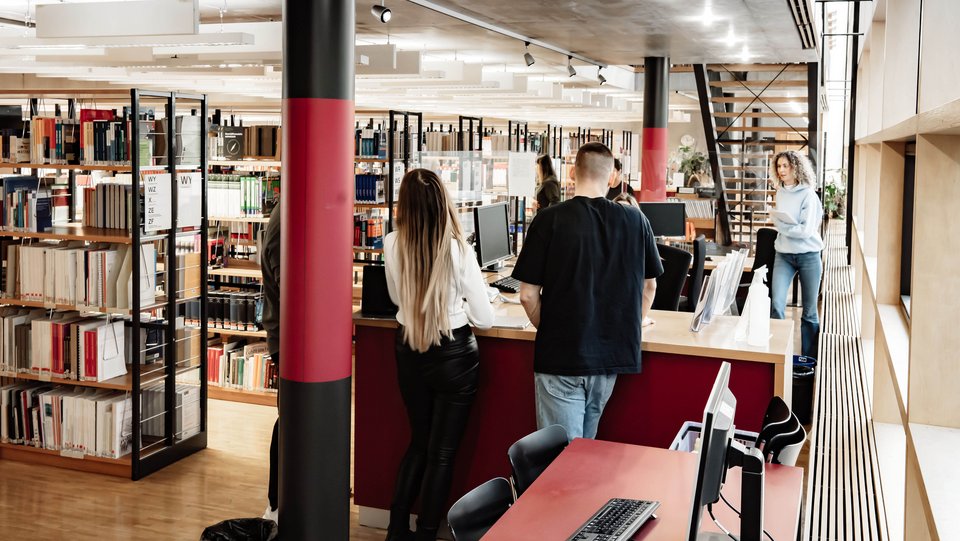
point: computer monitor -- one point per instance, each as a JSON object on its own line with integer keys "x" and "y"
{"x": 718, "y": 452}
{"x": 666, "y": 219}
{"x": 492, "y": 229}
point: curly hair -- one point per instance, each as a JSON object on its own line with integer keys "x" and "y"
{"x": 801, "y": 165}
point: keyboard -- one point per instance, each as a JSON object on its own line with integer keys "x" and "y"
{"x": 508, "y": 284}
{"x": 617, "y": 520}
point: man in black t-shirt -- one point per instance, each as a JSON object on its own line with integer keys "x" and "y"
{"x": 617, "y": 185}
{"x": 588, "y": 274}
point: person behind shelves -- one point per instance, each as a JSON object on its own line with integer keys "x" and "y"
{"x": 270, "y": 266}
{"x": 798, "y": 243}
{"x": 548, "y": 188}
{"x": 434, "y": 278}
{"x": 588, "y": 331}
{"x": 616, "y": 184}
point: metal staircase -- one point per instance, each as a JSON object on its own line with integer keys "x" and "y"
{"x": 751, "y": 112}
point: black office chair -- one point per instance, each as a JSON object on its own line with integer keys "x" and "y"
{"x": 676, "y": 264}
{"x": 764, "y": 252}
{"x": 478, "y": 510}
{"x": 689, "y": 303}
{"x": 781, "y": 435}
{"x": 531, "y": 454}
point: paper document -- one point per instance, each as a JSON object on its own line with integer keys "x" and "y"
{"x": 511, "y": 322}
{"x": 783, "y": 217}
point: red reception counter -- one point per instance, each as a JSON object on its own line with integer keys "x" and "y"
{"x": 679, "y": 367}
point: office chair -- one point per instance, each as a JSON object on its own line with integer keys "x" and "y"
{"x": 781, "y": 435}
{"x": 676, "y": 264}
{"x": 478, "y": 510}
{"x": 689, "y": 303}
{"x": 531, "y": 454}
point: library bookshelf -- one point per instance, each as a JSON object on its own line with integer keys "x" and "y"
{"x": 162, "y": 381}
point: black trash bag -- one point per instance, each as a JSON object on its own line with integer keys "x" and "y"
{"x": 242, "y": 529}
{"x": 803, "y": 383}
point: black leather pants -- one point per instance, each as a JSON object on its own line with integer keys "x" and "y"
{"x": 438, "y": 388}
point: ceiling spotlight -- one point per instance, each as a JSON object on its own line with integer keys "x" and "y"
{"x": 570, "y": 69}
{"x": 600, "y": 76}
{"x": 381, "y": 12}
{"x": 527, "y": 57}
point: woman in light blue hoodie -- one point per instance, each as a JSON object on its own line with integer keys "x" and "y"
{"x": 798, "y": 243}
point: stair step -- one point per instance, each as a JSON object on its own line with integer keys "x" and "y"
{"x": 723, "y": 68}
{"x": 745, "y": 155}
{"x": 748, "y": 190}
{"x": 748, "y": 99}
{"x": 748, "y": 142}
{"x": 751, "y": 114}
{"x": 743, "y": 167}
{"x": 779, "y": 83}
{"x": 766, "y": 129}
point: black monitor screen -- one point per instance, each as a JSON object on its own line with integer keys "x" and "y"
{"x": 715, "y": 436}
{"x": 493, "y": 233}
{"x": 666, "y": 219}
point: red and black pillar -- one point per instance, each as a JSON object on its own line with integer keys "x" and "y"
{"x": 653, "y": 148}
{"x": 315, "y": 300}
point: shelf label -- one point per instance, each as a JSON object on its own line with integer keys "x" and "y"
{"x": 156, "y": 204}
{"x": 189, "y": 199}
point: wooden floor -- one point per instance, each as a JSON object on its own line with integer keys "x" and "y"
{"x": 227, "y": 480}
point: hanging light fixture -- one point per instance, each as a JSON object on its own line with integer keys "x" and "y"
{"x": 527, "y": 57}
{"x": 381, "y": 12}
{"x": 600, "y": 76}
{"x": 570, "y": 70}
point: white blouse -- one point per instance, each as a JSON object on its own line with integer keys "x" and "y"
{"x": 467, "y": 294}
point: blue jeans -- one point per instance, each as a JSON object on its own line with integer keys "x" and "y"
{"x": 574, "y": 402}
{"x": 810, "y": 267}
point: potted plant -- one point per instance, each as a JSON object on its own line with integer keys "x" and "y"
{"x": 694, "y": 166}
{"x": 835, "y": 196}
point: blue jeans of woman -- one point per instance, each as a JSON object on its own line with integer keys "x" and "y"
{"x": 810, "y": 267}
{"x": 438, "y": 388}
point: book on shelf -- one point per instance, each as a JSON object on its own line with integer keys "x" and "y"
{"x": 228, "y": 310}
{"x": 27, "y": 204}
{"x": 240, "y": 196}
{"x": 226, "y": 143}
{"x": 74, "y": 274}
{"x": 186, "y": 411}
{"x": 368, "y": 231}
{"x": 92, "y": 422}
{"x": 261, "y": 141}
{"x": 243, "y": 366}
{"x": 369, "y": 188}
{"x": 370, "y": 142}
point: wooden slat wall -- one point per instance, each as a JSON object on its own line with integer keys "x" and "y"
{"x": 844, "y": 499}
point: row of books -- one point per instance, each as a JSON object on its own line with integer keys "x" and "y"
{"x": 367, "y": 231}
{"x": 63, "y": 345}
{"x": 27, "y": 205}
{"x": 699, "y": 208}
{"x": 237, "y": 365}
{"x": 239, "y": 196}
{"x": 72, "y": 420}
{"x": 71, "y": 273}
{"x": 370, "y": 188}
{"x": 228, "y": 310}
{"x": 186, "y": 411}
{"x": 370, "y": 142}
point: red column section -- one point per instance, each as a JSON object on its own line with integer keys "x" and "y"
{"x": 653, "y": 165}
{"x": 316, "y": 302}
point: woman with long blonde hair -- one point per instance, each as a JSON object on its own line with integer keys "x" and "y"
{"x": 434, "y": 278}
{"x": 798, "y": 244}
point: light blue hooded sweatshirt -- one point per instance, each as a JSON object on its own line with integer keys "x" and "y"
{"x": 803, "y": 205}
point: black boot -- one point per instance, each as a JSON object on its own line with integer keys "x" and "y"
{"x": 399, "y": 535}
{"x": 425, "y": 534}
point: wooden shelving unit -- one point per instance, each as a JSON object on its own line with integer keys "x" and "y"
{"x": 238, "y": 272}
{"x": 150, "y": 452}
{"x": 228, "y": 332}
{"x": 261, "y": 398}
{"x": 240, "y": 219}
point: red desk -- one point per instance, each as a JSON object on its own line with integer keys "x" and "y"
{"x": 588, "y": 473}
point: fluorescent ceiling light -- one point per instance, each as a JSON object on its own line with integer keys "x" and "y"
{"x": 226, "y": 38}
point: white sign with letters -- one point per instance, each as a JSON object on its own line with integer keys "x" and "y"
{"x": 156, "y": 207}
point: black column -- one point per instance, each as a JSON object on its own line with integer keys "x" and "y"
{"x": 315, "y": 297}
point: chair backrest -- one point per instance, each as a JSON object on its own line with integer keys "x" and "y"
{"x": 676, "y": 263}
{"x": 785, "y": 449}
{"x": 531, "y": 454}
{"x": 765, "y": 253}
{"x": 774, "y": 419}
{"x": 479, "y": 509}
{"x": 696, "y": 273}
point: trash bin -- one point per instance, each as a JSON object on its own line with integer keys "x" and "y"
{"x": 242, "y": 529}
{"x": 804, "y": 369}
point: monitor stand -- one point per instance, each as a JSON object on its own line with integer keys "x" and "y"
{"x": 751, "y": 494}
{"x": 494, "y": 267}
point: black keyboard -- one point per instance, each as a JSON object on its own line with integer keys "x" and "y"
{"x": 617, "y": 520}
{"x": 508, "y": 284}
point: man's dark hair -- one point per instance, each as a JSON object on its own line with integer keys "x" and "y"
{"x": 594, "y": 162}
